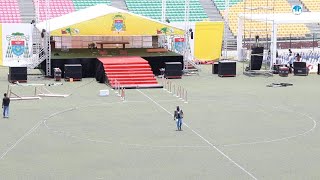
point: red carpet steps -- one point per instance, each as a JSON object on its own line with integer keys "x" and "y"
{"x": 130, "y": 72}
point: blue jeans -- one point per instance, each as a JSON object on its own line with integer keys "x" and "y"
{"x": 179, "y": 123}
{"x": 5, "y": 111}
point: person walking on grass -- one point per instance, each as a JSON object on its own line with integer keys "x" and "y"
{"x": 5, "y": 106}
{"x": 178, "y": 116}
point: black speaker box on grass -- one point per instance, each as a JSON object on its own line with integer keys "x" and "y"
{"x": 18, "y": 74}
{"x": 73, "y": 71}
{"x": 256, "y": 58}
{"x": 173, "y": 70}
{"x": 227, "y": 69}
{"x": 215, "y": 68}
{"x": 300, "y": 68}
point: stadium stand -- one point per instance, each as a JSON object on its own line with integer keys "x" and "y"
{"x": 312, "y": 5}
{"x": 221, "y": 3}
{"x": 280, "y": 6}
{"x": 175, "y": 9}
{"x": 10, "y": 12}
{"x": 61, "y": 7}
{"x": 56, "y": 7}
{"x": 81, "y": 4}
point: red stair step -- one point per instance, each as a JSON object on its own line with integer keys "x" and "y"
{"x": 126, "y": 69}
{"x": 132, "y": 79}
{"x": 128, "y": 75}
{"x": 127, "y": 66}
{"x": 129, "y": 72}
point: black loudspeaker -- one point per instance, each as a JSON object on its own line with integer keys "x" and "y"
{"x": 227, "y": 69}
{"x": 173, "y": 70}
{"x": 300, "y": 68}
{"x": 73, "y": 71}
{"x": 18, "y": 74}
{"x": 215, "y": 68}
{"x": 256, "y": 58}
{"x": 191, "y": 33}
{"x": 318, "y": 69}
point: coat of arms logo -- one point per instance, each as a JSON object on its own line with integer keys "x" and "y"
{"x": 18, "y": 45}
{"x": 118, "y": 23}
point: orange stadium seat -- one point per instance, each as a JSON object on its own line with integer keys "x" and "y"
{"x": 280, "y": 6}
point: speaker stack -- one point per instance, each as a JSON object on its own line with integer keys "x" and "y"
{"x": 300, "y": 68}
{"x": 173, "y": 70}
{"x": 256, "y": 58}
{"x": 215, "y": 68}
{"x": 227, "y": 69}
{"x": 17, "y": 74}
{"x": 73, "y": 71}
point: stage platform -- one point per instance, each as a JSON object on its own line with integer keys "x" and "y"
{"x": 94, "y": 53}
{"x": 92, "y": 67}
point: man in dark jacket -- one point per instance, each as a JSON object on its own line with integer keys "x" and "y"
{"x": 5, "y": 106}
{"x": 178, "y": 115}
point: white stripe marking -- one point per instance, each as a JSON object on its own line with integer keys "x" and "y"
{"x": 204, "y": 139}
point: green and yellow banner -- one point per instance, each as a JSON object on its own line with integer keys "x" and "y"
{"x": 117, "y": 24}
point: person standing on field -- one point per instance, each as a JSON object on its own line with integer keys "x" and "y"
{"x": 178, "y": 116}
{"x": 5, "y": 106}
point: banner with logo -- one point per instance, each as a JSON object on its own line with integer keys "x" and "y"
{"x": 179, "y": 44}
{"x": 15, "y": 44}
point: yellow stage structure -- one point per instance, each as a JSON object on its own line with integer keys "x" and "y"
{"x": 208, "y": 40}
{"x": 103, "y": 20}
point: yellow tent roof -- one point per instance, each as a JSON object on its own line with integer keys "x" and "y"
{"x": 103, "y": 20}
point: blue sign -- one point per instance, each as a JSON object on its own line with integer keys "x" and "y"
{"x": 18, "y": 47}
{"x": 297, "y": 9}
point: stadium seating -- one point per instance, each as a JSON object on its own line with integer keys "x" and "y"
{"x": 56, "y": 7}
{"x": 221, "y": 3}
{"x": 10, "y": 12}
{"x": 280, "y": 6}
{"x": 175, "y": 9}
{"x": 312, "y": 5}
{"x": 62, "y": 7}
{"x": 81, "y": 4}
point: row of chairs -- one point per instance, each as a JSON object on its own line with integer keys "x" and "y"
{"x": 309, "y": 57}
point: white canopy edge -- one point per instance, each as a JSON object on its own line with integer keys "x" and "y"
{"x": 284, "y": 18}
{"x": 85, "y": 15}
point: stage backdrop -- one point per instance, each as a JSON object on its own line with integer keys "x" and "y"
{"x": 15, "y": 44}
{"x": 208, "y": 40}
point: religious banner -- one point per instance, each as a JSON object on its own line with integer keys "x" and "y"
{"x": 16, "y": 44}
{"x": 179, "y": 44}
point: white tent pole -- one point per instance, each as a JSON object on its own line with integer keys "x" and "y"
{"x": 239, "y": 37}
{"x": 226, "y": 23}
{"x": 273, "y": 44}
{"x": 163, "y": 10}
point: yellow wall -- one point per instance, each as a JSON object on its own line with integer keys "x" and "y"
{"x": 208, "y": 40}
{"x": 1, "y": 55}
{"x": 103, "y": 26}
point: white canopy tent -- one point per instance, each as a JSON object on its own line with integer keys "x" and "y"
{"x": 274, "y": 20}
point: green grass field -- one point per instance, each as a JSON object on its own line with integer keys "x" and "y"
{"x": 235, "y": 128}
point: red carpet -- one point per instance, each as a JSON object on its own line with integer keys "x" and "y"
{"x": 130, "y": 72}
